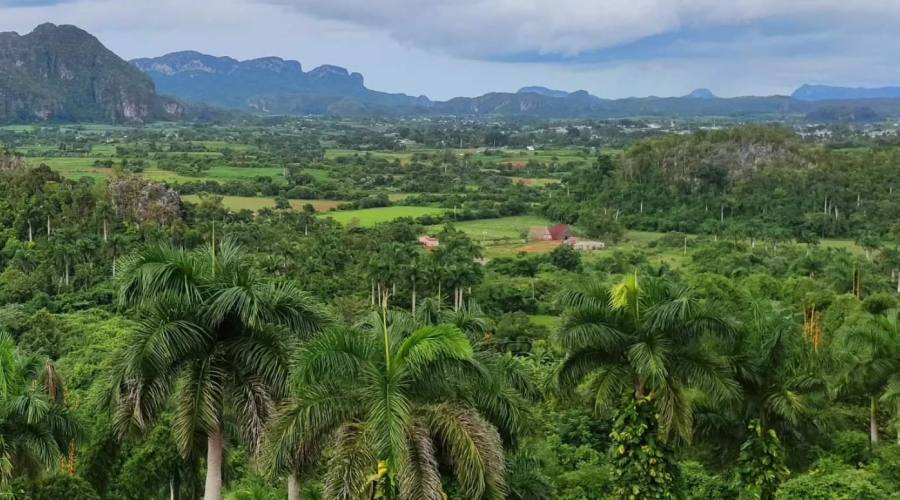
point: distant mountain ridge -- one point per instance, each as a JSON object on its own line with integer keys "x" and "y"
{"x": 63, "y": 73}
{"x": 701, "y": 94}
{"x": 544, "y": 91}
{"x": 831, "y": 93}
{"x": 268, "y": 84}
{"x": 272, "y": 85}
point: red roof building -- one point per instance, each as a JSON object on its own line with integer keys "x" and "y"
{"x": 560, "y": 232}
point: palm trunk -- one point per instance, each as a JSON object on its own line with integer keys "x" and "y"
{"x": 638, "y": 389}
{"x": 293, "y": 487}
{"x": 873, "y": 421}
{"x": 414, "y": 297}
{"x": 215, "y": 443}
{"x": 174, "y": 486}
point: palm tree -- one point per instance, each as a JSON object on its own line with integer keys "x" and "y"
{"x": 212, "y": 333}
{"x": 647, "y": 339}
{"x": 35, "y": 429}
{"x": 776, "y": 371}
{"x": 867, "y": 354}
{"x": 394, "y": 403}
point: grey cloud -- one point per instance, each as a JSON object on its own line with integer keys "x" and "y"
{"x": 497, "y": 29}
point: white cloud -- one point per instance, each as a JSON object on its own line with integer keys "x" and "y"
{"x": 445, "y": 49}
{"x": 497, "y": 28}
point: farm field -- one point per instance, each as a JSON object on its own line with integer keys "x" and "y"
{"x": 503, "y": 228}
{"x": 370, "y": 216}
{"x": 258, "y": 203}
{"x": 75, "y": 168}
{"x": 531, "y": 181}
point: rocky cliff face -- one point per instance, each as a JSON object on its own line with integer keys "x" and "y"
{"x": 62, "y": 73}
{"x": 267, "y": 85}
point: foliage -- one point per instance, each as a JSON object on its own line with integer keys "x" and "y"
{"x": 760, "y": 466}
{"x": 833, "y": 485}
{"x": 644, "y": 466}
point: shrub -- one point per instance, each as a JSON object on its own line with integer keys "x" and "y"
{"x": 849, "y": 484}
{"x": 852, "y": 447}
{"x": 61, "y": 486}
{"x": 702, "y": 485}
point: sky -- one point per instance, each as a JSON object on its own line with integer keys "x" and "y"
{"x": 442, "y": 48}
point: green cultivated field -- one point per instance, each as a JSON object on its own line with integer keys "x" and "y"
{"x": 504, "y": 228}
{"x": 371, "y": 216}
{"x": 84, "y": 167}
{"x": 258, "y": 203}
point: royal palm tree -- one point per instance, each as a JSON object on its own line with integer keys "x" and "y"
{"x": 867, "y": 355}
{"x": 647, "y": 338}
{"x": 394, "y": 403}
{"x": 776, "y": 371}
{"x": 213, "y": 333}
{"x": 35, "y": 429}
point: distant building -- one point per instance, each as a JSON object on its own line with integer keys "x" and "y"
{"x": 539, "y": 233}
{"x": 560, "y": 232}
{"x": 586, "y": 245}
{"x": 428, "y": 241}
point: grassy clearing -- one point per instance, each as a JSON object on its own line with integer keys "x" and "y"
{"x": 75, "y": 168}
{"x": 370, "y": 216}
{"x": 533, "y": 181}
{"x": 501, "y": 229}
{"x": 403, "y": 156}
{"x": 258, "y": 203}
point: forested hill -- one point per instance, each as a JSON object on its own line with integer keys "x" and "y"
{"x": 62, "y": 73}
{"x": 749, "y": 182}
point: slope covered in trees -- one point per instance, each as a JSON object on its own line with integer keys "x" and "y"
{"x": 156, "y": 348}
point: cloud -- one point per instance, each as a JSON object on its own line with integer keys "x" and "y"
{"x": 30, "y": 3}
{"x": 613, "y": 48}
{"x": 569, "y": 29}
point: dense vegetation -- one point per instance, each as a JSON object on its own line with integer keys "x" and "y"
{"x": 738, "y": 337}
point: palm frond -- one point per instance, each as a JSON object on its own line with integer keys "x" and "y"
{"x": 351, "y": 463}
{"x": 419, "y": 477}
{"x": 473, "y": 447}
{"x": 428, "y": 345}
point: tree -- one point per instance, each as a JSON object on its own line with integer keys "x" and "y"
{"x": 646, "y": 339}
{"x": 775, "y": 369}
{"x": 602, "y": 225}
{"x": 867, "y": 354}
{"x": 760, "y": 466}
{"x": 213, "y": 333}
{"x": 565, "y": 257}
{"x": 35, "y": 428}
{"x": 389, "y": 401}
{"x": 644, "y": 466}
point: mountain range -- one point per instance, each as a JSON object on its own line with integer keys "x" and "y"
{"x": 273, "y": 85}
{"x": 62, "y": 73}
{"x": 829, "y": 93}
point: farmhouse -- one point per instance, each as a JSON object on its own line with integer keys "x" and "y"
{"x": 539, "y": 233}
{"x": 428, "y": 241}
{"x": 560, "y": 232}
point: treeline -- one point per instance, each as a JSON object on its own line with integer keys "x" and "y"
{"x": 756, "y": 182}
